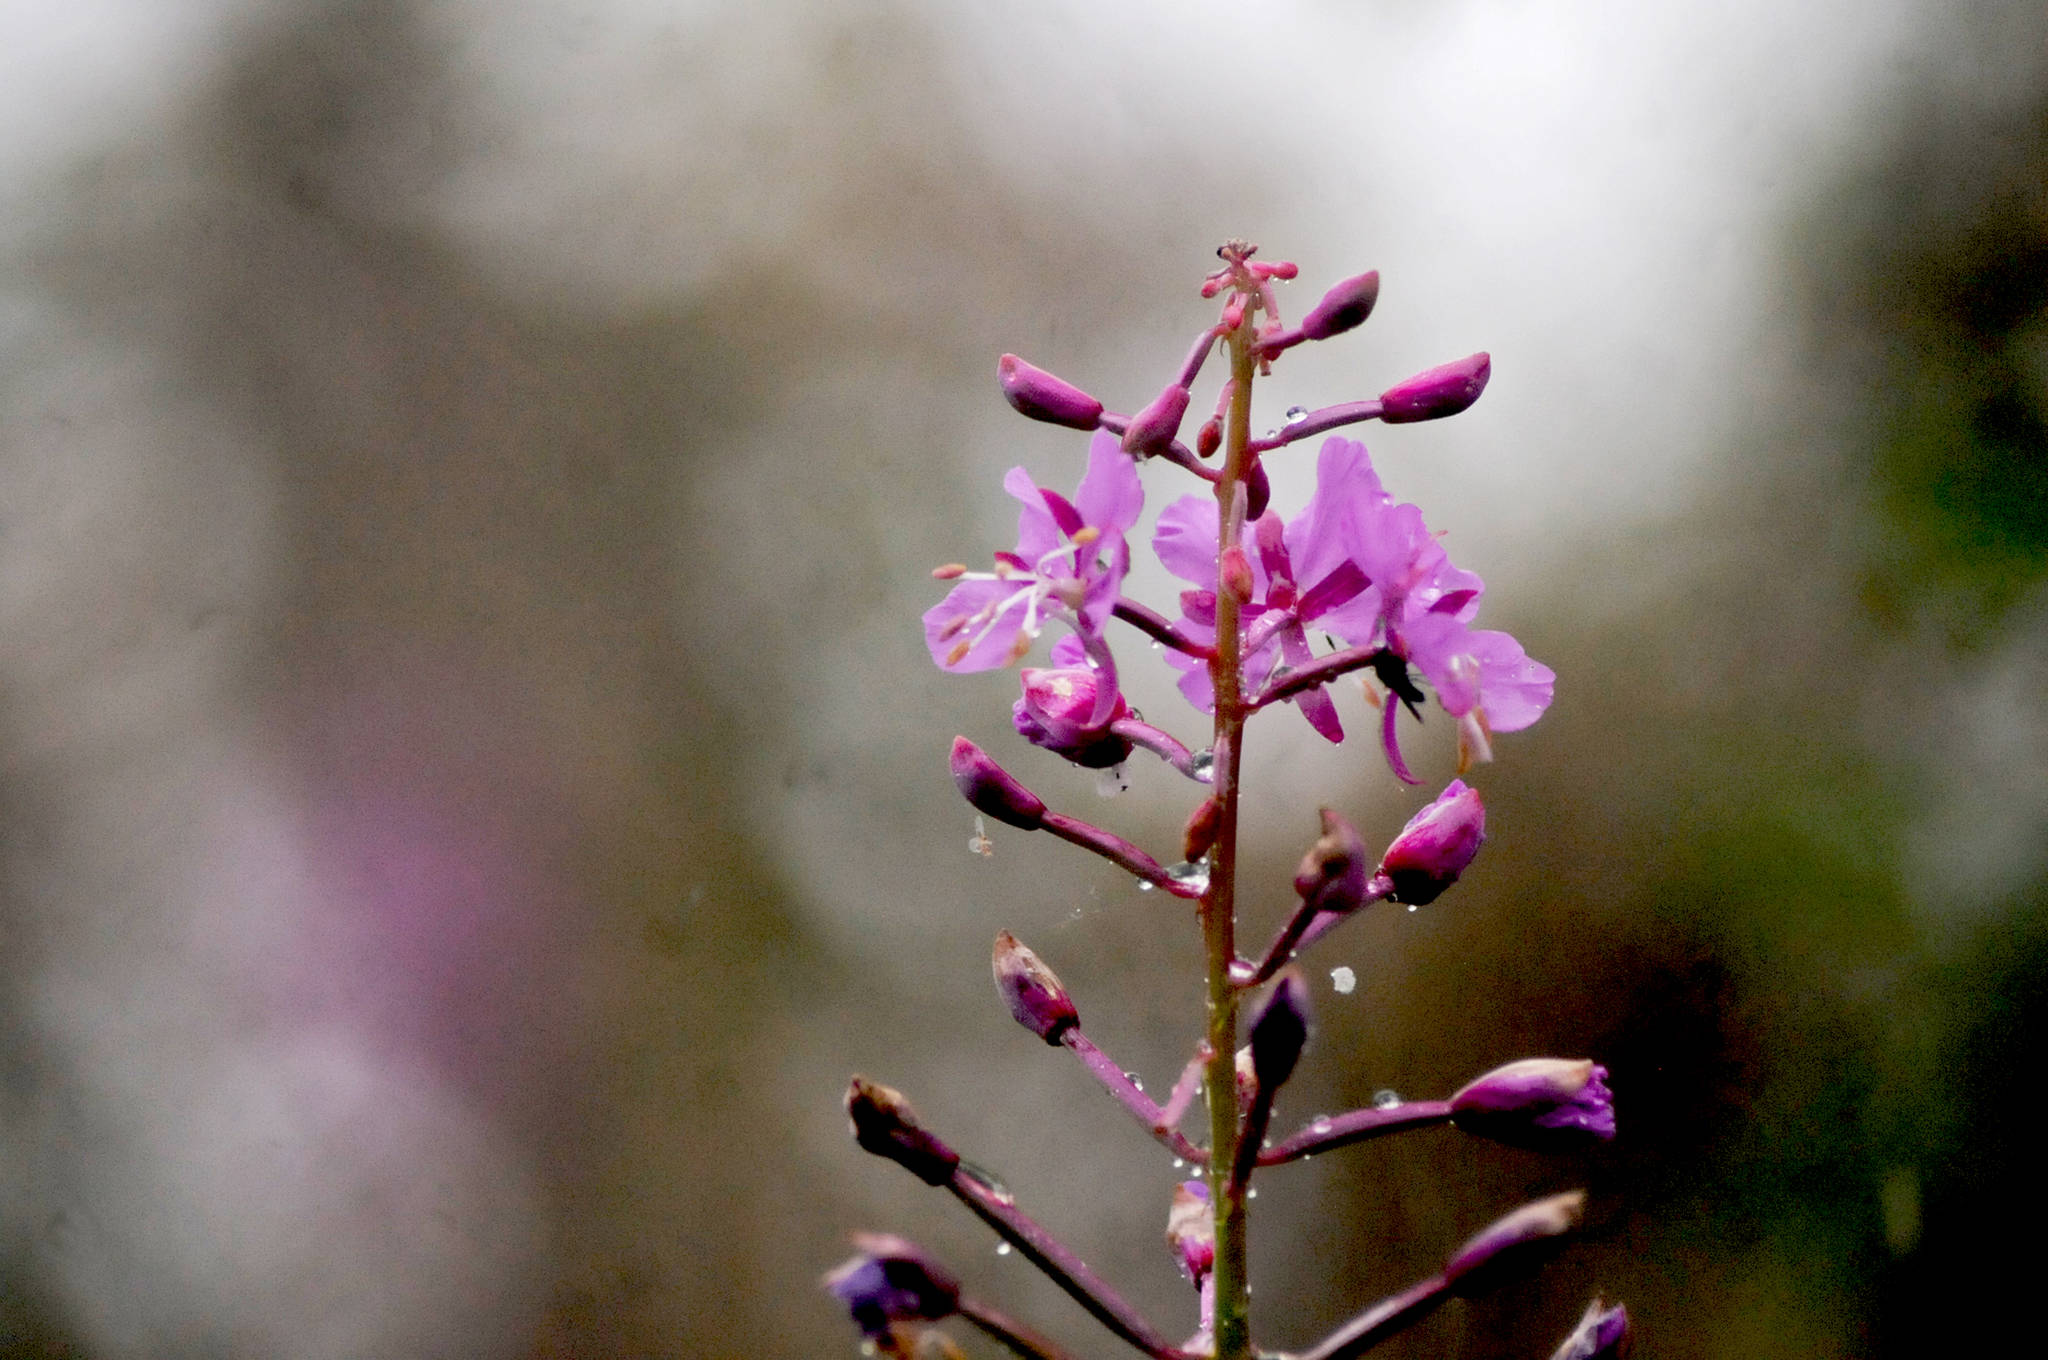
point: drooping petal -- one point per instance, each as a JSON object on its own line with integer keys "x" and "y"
{"x": 1315, "y": 704}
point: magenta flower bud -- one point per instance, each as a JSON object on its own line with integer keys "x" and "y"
{"x": 1602, "y": 1334}
{"x": 1034, "y": 994}
{"x": 1153, "y": 428}
{"x": 1279, "y": 1030}
{"x": 991, "y": 789}
{"x": 1443, "y": 391}
{"x": 1333, "y": 874}
{"x": 1547, "y": 1104}
{"x": 1191, "y": 1230}
{"x": 1038, "y": 394}
{"x": 1058, "y": 701}
{"x": 884, "y": 1124}
{"x": 1511, "y": 1245}
{"x": 1345, "y": 306}
{"x": 1435, "y": 846}
{"x": 892, "y": 1281}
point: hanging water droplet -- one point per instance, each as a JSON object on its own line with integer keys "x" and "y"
{"x": 1157, "y": 645}
{"x": 1252, "y": 1193}
{"x": 1296, "y": 414}
{"x": 1241, "y": 973}
{"x": 1385, "y": 1100}
{"x": 1202, "y": 765}
{"x": 1343, "y": 979}
{"x": 1144, "y": 886}
{"x": 1411, "y": 906}
{"x": 1002, "y": 1248}
{"x": 1111, "y": 782}
{"x": 1193, "y": 873}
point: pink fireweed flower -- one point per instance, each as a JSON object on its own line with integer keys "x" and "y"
{"x": 1302, "y": 576}
{"x": 1366, "y": 570}
{"x": 1069, "y": 564}
{"x": 1438, "y": 844}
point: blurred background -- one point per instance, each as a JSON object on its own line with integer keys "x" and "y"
{"x": 471, "y": 783}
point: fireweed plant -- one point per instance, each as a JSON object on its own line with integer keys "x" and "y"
{"x": 1363, "y": 573}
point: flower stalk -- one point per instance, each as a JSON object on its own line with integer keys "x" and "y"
{"x": 1277, "y": 610}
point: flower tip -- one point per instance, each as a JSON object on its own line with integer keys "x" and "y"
{"x": 1033, "y": 392}
{"x": 1443, "y": 391}
{"x": 992, "y": 790}
{"x": 1514, "y": 1243}
{"x": 1032, "y": 991}
{"x": 1344, "y": 307}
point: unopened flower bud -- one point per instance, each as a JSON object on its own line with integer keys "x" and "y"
{"x": 1054, "y": 711}
{"x": 1038, "y": 394}
{"x": 1443, "y": 391}
{"x": 1541, "y": 1103}
{"x": 1033, "y": 993}
{"x": 884, "y": 1124}
{"x": 992, "y": 790}
{"x": 1153, "y": 428}
{"x": 1209, "y": 438}
{"x": 1602, "y": 1334}
{"x": 1343, "y": 307}
{"x": 892, "y": 1281}
{"x": 1235, "y": 572}
{"x": 1435, "y": 846}
{"x": 1511, "y": 1245}
{"x": 1279, "y": 1030}
{"x": 1333, "y": 874}
{"x": 1191, "y": 1230}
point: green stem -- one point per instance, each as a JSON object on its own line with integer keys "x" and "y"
{"x": 1219, "y": 903}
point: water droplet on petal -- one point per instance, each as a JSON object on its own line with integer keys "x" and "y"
{"x": 1343, "y": 979}
{"x": 1193, "y": 873}
{"x": 1111, "y": 782}
{"x": 1158, "y": 646}
{"x": 1385, "y": 1100}
{"x": 1296, "y": 414}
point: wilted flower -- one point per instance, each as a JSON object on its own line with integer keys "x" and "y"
{"x": 1191, "y": 1229}
{"x": 1059, "y": 707}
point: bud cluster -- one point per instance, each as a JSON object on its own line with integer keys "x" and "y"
{"x": 1364, "y": 575}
